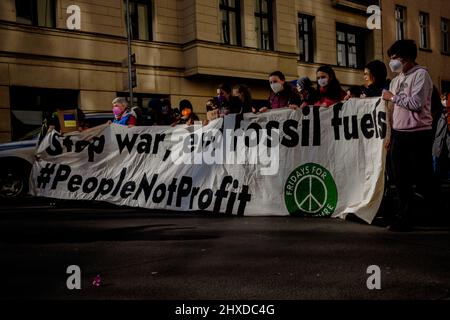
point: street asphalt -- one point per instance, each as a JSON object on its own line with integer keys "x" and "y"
{"x": 141, "y": 254}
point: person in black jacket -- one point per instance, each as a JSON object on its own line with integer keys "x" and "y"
{"x": 227, "y": 103}
{"x": 187, "y": 114}
{"x": 375, "y": 74}
{"x": 242, "y": 92}
{"x": 307, "y": 93}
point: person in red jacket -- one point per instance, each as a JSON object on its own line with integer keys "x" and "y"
{"x": 329, "y": 88}
{"x": 282, "y": 95}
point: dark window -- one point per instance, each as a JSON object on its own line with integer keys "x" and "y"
{"x": 306, "y": 37}
{"x": 40, "y": 13}
{"x": 264, "y": 27}
{"x": 424, "y": 23}
{"x": 141, "y": 19}
{"x": 350, "y": 46}
{"x": 28, "y": 105}
{"x": 445, "y": 28}
{"x": 231, "y": 21}
{"x": 400, "y": 22}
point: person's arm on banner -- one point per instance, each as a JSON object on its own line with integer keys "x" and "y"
{"x": 389, "y": 115}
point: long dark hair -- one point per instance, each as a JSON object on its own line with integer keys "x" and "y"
{"x": 378, "y": 70}
{"x": 334, "y": 89}
{"x": 248, "y": 101}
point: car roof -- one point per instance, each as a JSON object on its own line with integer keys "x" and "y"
{"x": 99, "y": 115}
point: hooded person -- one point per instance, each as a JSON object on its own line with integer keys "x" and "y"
{"x": 412, "y": 129}
{"x": 187, "y": 114}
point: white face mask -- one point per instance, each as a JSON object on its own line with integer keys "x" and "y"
{"x": 323, "y": 82}
{"x": 276, "y": 87}
{"x": 396, "y": 66}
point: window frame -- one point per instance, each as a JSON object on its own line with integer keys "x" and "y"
{"x": 34, "y": 16}
{"x": 359, "y": 43}
{"x": 424, "y": 26}
{"x": 237, "y": 12}
{"x": 135, "y": 18}
{"x": 400, "y": 22}
{"x": 259, "y": 14}
{"x": 311, "y": 37}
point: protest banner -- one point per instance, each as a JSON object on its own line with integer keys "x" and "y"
{"x": 314, "y": 162}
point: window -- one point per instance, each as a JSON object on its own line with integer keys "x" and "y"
{"x": 231, "y": 21}
{"x": 40, "y": 13}
{"x": 445, "y": 26}
{"x": 141, "y": 19}
{"x": 400, "y": 22}
{"x": 306, "y": 37}
{"x": 350, "y": 46}
{"x": 264, "y": 27}
{"x": 424, "y": 23}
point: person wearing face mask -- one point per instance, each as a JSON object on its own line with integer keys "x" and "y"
{"x": 228, "y": 104}
{"x": 282, "y": 94}
{"x": 122, "y": 113}
{"x": 329, "y": 87}
{"x": 412, "y": 137}
{"x": 375, "y": 79}
{"x": 187, "y": 114}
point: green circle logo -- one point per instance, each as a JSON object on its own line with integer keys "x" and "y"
{"x": 310, "y": 190}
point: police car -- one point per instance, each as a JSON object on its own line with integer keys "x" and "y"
{"x": 16, "y": 158}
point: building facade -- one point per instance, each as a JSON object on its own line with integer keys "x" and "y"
{"x": 426, "y": 22}
{"x": 183, "y": 48}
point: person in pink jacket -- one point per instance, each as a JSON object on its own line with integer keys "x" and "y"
{"x": 412, "y": 139}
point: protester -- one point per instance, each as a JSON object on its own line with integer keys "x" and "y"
{"x": 353, "y": 92}
{"x": 212, "y": 104}
{"x": 187, "y": 114}
{"x": 375, "y": 78}
{"x": 212, "y": 110}
{"x": 410, "y": 93}
{"x": 444, "y": 98}
{"x": 165, "y": 115}
{"x": 122, "y": 113}
{"x": 306, "y": 92}
{"x": 242, "y": 92}
{"x": 282, "y": 94}
{"x": 436, "y": 108}
{"x": 227, "y": 103}
{"x": 329, "y": 87}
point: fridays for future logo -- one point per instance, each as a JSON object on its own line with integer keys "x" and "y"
{"x": 310, "y": 190}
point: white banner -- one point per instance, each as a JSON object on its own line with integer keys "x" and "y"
{"x": 311, "y": 162}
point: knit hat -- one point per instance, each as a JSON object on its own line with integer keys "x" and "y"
{"x": 185, "y": 104}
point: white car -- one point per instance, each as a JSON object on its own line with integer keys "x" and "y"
{"x": 16, "y": 158}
